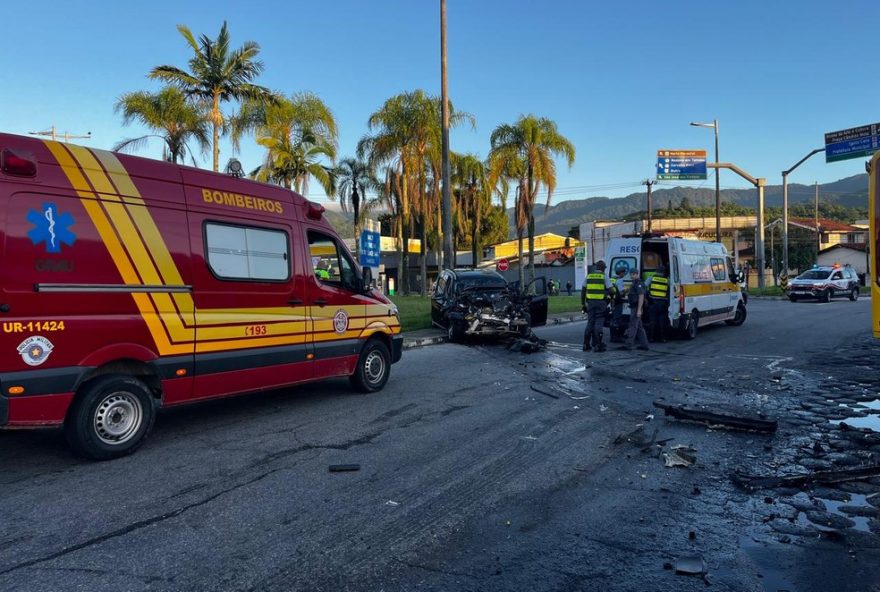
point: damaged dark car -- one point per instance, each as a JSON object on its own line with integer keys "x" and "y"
{"x": 468, "y": 302}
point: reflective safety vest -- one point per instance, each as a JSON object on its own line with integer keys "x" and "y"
{"x": 322, "y": 274}
{"x": 595, "y": 286}
{"x": 659, "y": 287}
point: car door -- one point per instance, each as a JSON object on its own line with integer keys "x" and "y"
{"x": 336, "y": 305}
{"x": 539, "y": 303}
{"x": 438, "y": 298}
{"x": 837, "y": 285}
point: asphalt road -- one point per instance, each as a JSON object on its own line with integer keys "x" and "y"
{"x": 470, "y": 479}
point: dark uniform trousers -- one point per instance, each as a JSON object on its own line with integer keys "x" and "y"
{"x": 658, "y": 311}
{"x": 595, "y": 322}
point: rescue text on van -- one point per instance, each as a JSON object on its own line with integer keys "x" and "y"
{"x": 131, "y": 284}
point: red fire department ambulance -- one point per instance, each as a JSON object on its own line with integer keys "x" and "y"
{"x": 131, "y": 284}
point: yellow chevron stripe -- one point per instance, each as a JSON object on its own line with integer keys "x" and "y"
{"x": 117, "y": 253}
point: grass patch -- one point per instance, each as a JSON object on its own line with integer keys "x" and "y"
{"x": 415, "y": 311}
{"x": 560, "y": 304}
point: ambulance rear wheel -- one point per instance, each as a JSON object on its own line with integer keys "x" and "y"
{"x": 110, "y": 417}
{"x": 373, "y": 367}
{"x": 690, "y": 330}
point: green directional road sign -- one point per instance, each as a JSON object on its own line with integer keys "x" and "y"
{"x": 681, "y": 165}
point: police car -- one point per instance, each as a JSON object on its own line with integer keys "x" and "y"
{"x": 825, "y": 283}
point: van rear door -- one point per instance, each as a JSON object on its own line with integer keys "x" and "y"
{"x": 625, "y": 254}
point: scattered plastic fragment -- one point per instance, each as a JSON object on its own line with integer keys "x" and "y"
{"x": 690, "y": 566}
{"x": 344, "y": 468}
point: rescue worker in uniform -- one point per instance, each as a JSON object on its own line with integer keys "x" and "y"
{"x": 658, "y": 303}
{"x": 636, "y": 300}
{"x": 322, "y": 270}
{"x": 594, "y": 296}
{"x": 617, "y": 296}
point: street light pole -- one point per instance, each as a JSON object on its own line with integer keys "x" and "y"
{"x": 649, "y": 183}
{"x": 785, "y": 175}
{"x": 448, "y": 254}
{"x": 714, "y": 125}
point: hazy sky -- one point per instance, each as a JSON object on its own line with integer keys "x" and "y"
{"x": 621, "y": 79}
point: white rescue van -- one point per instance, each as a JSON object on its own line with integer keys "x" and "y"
{"x": 704, "y": 283}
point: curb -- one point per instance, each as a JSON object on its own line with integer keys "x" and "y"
{"x": 416, "y": 342}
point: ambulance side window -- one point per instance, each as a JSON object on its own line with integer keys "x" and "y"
{"x": 330, "y": 263}
{"x": 246, "y": 253}
{"x": 718, "y": 268}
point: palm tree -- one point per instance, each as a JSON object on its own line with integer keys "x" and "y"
{"x": 471, "y": 187}
{"x": 529, "y": 146}
{"x": 300, "y": 137}
{"x": 407, "y": 136}
{"x": 217, "y": 74}
{"x": 175, "y": 120}
{"x": 354, "y": 177}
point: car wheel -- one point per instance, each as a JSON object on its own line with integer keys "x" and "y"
{"x": 373, "y": 367}
{"x": 740, "y": 316}
{"x": 792, "y": 297}
{"x": 854, "y": 294}
{"x": 825, "y": 296}
{"x": 110, "y": 417}
{"x": 455, "y": 331}
{"x": 690, "y": 330}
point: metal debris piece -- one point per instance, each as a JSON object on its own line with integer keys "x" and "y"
{"x": 741, "y": 420}
{"x": 801, "y": 480}
{"x": 344, "y": 468}
{"x": 544, "y": 392}
{"x": 690, "y": 566}
{"x": 680, "y": 456}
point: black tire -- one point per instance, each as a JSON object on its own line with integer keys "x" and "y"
{"x": 792, "y": 297}
{"x": 740, "y": 316}
{"x": 690, "y": 330}
{"x": 455, "y": 331}
{"x": 373, "y": 367}
{"x": 825, "y": 296}
{"x": 854, "y": 294}
{"x": 111, "y": 416}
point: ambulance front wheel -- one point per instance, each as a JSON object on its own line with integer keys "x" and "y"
{"x": 373, "y": 367}
{"x": 110, "y": 417}
{"x": 740, "y": 316}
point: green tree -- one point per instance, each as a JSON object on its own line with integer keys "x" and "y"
{"x": 175, "y": 120}
{"x": 217, "y": 74}
{"x": 354, "y": 178}
{"x": 405, "y": 135}
{"x": 300, "y": 137}
{"x": 529, "y": 147}
{"x": 473, "y": 197}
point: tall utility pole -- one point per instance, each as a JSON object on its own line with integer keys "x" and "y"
{"x": 785, "y": 175}
{"x": 714, "y": 125}
{"x": 649, "y": 183}
{"x": 446, "y": 212}
{"x": 53, "y": 133}
{"x": 818, "y": 234}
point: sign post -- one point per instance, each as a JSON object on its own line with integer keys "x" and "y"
{"x": 369, "y": 247}
{"x": 854, "y": 142}
{"x": 681, "y": 165}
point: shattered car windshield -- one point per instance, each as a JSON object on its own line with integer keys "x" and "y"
{"x": 814, "y": 274}
{"x": 481, "y": 282}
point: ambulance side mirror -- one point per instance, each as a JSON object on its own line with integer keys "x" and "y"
{"x": 366, "y": 280}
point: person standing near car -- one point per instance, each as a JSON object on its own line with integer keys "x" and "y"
{"x": 594, "y": 296}
{"x": 636, "y": 300}
{"x": 568, "y": 287}
{"x": 658, "y": 302}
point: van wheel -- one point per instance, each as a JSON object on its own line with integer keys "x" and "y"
{"x": 825, "y": 296}
{"x": 854, "y": 294}
{"x": 690, "y": 330}
{"x": 740, "y": 316}
{"x": 110, "y": 417}
{"x": 373, "y": 368}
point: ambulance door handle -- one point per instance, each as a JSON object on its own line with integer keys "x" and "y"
{"x": 321, "y": 302}
{"x": 294, "y": 301}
